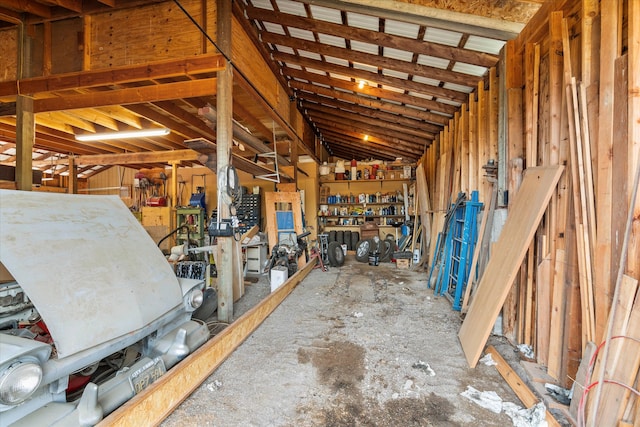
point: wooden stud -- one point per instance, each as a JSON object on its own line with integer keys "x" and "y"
{"x": 556, "y": 320}
{"x": 224, "y": 137}
{"x": 619, "y": 163}
{"x": 473, "y": 143}
{"x": 25, "y": 138}
{"x": 633, "y": 256}
{"x": 543, "y": 308}
{"x": 610, "y": 22}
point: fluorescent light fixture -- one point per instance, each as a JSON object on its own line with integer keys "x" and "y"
{"x": 124, "y": 134}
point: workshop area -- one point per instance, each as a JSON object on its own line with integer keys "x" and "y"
{"x": 320, "y": 213}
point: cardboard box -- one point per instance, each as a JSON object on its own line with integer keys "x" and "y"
{"x": 403, "y": 263}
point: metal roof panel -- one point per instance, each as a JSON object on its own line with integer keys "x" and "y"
{"x": 326, "y": 14}
{"x": 366, "y": 22}
{"x": 291, "y": 7}
{"x": 402, "y": 29}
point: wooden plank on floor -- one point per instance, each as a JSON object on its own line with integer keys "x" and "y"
{"x": 156, "y": 402}
{"x": 524, "y": 217}
{"x": 518, "y": 386}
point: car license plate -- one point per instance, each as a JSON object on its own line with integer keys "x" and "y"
{"x": 147, "y": 374}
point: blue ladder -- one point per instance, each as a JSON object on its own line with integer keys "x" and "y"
{"x": 466, "y": 234}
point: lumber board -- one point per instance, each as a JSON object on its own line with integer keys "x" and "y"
{"x": 473, "y": 142}
{"x": 543, "y": 308}
{"x": 524, "y": 216}
{"x": 582, "y": 376}
{"x": 616, "y": 218}
{"x": 557, "y": 317}
{"x": 623, "y": 358}
{"x": 464, "y": 130}
{"x": 156, "y": 402}
{"x": 423, "y": 206}
{"x": 609, "y": 51}
{"x": 580, "y": 217}
{"x": 528, "y": 309}
{"x": 633, "y": 30}
{"x": 524, "y": 393}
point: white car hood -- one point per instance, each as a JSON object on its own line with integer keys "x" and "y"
{"x": 90, "y": 268}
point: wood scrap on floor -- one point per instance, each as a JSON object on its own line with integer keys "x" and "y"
{"x": 521, "y": 390}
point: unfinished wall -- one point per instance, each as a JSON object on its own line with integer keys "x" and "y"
{"x": 168, "y": 33}
{"x": 569, "y": 96}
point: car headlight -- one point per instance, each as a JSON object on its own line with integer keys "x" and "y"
{"x": 18, "y": 382}
{"x": 196, "y": 297}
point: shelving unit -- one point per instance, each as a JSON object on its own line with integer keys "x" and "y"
{"x": 194, "y": 218}
{"x": 340, "y": 214}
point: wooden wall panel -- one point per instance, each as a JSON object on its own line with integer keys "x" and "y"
{"x": 8, "y": 53}
{"x": 168, "y": 33}
{"x": 249, "y": 62}
{"x": 66, "y": 46}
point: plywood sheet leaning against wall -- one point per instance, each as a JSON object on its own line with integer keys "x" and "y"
{"x": 508, "y": 253}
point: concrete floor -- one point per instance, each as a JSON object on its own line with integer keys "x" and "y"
{"x": 356, "y": 346}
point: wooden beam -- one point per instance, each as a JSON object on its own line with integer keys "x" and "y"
{"x": 191, "y": 66}
{"x": 157, "y": 402}
{"x": 25, "y": 137}
{"x": 224, "y": 143}
{"x": 429, "y": 16}
{"x": 137, "y": 158}
{"x": 371, "y": 113}
{"x": 357, "y": 141}
{"x": 274, "y": 115}
{"x": 167, "y": 91}
{"x": 410, "y": 85}
{"x": 31, "y": 7}
{"x": 75, "y": 5}
{"x": 371, "y": 59}
{"x": 73, "y": 176}
{"x": 208, "y": 156}
{"x": 375, "y": 37}
{"x": 242, "y": 135}
{"x": 331, "y": 112}
{"x": 375, "y": 133}
{"x": 371, "y": 90}
{"x": 368, "y": 102}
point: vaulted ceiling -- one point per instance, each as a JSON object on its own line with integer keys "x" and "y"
{"x": 373, "y": 78}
